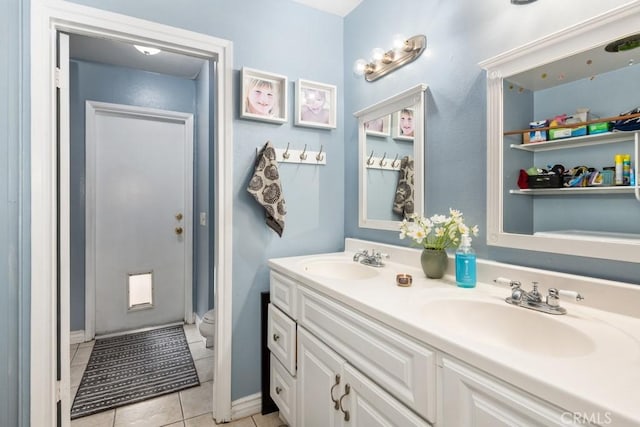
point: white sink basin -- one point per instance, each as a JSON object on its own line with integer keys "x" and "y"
{"x": 504, "y": 325}
{"x": 340, "y": 269}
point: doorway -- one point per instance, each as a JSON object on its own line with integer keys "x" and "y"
{"x": 49, "y": 203}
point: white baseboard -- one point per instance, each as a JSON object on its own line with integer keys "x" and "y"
{"x": 76, "y": 337}
{"x": 246, "y": 406}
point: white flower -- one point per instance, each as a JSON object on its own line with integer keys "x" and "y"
{"x": 438, "y": 231}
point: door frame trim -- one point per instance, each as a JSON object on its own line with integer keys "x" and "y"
{"x": 47, "y": 18}
{"x": 92, "y": 109}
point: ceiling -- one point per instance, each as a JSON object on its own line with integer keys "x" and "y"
{"x": 124, "y": 55}
{"x": 336, "y": 7}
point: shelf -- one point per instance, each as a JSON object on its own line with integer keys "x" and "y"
{"x": 577, "y": 141}
{"x": 574, "y": 191}
{"x": 602, "y": 236}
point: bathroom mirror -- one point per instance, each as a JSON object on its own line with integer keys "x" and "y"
{"x": 591, "y": 65}
{"x": 391, "y": 140}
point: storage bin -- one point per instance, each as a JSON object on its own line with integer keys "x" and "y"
{"x": 607, "y": 177}
{"x": 545, "y": 181}
{"x": 557, "y": 133}
{"x": 595, "y": 128}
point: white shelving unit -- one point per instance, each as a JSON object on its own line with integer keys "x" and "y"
{"x": 566, "y": 52}
{"x": 579, "y": 142}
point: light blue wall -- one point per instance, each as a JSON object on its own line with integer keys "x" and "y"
{"x": 14, "y": 218}
{"x": 15, "y": 241}
{"x": 286, "y": 38}
{"x": 459, "y": 35}
{"x": 106, "y": 83}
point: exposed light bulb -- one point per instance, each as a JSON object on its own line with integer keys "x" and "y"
{"x": 360, "y": 66}
{"x": 377, "y": 54}
{"x": 146, "y": 50}
{"x": 399, "y": 41}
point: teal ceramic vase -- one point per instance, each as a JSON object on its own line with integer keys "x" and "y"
{"x": 434, "y": 262}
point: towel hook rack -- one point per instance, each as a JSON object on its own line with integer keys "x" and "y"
{"x": 382, "y": 162}
{"x": 369, "y": 160}
{"x": 303, "y": 155}
{"x": 285, "y": 155}
{"x": 319, "y": 156}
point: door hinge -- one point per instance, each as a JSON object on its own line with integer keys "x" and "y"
{"x": 61, "y": 82}
{"x": 58, "y": 391}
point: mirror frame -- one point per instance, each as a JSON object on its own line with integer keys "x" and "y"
{"x": 409, "y": 97}
{"x": 614, "y": 24}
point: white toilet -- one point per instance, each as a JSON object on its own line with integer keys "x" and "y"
{"x": 207, "y": 327}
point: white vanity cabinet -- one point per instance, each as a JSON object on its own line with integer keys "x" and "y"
{"x": 471, "y": 398}
{"x": 390, "y": 378}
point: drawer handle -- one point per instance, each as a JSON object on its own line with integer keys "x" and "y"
{"x": 276, "y": 337}
{"x": 278, "y": 390}
{"x": 347, "y": 389}
{"x": 335, "y": 401}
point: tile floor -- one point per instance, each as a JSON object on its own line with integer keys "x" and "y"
{"x": 186, "y": 408}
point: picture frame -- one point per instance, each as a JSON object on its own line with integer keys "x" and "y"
{"x": 379, "y": 127}
{"x": 402, "y": 122}
{"x": 263, "y": 96}
{"x": 315, "y": 104}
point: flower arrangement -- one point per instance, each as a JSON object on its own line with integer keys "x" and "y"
{"x": 438, "y": 231}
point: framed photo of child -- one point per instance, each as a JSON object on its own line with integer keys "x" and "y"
{"x": 379, "y": 127}
{"x": 264, "y": 96}
{"x": 315, "y": 104}
{"x": 403, "y": 126}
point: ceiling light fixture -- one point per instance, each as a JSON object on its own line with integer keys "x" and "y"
{"x": 146, "y": 50}
{"x": 522, "y": 1}
{"x": 382, "y": 63}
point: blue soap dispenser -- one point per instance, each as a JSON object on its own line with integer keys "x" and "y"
{"x": 465, "y": 264}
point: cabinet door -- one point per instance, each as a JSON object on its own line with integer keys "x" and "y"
{"x": 473, "y": 399}
{"x": 368, "y": 405}
{"x": 319, "y": 383}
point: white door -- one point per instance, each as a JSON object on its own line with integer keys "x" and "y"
{"x": 139, "y": 184}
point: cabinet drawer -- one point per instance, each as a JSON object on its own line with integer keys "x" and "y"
{"x": 283, "y": 391}
{"x": 283, "y": 293}
{"x": 406, "y": 369}
{"x": 282, "y": 338}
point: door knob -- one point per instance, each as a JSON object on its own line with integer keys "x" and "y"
{"x": 179, "y": 216}
{"x": 179, "y": 230}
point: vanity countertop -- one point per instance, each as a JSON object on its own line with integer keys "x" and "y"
{"x": 600, "y": 376}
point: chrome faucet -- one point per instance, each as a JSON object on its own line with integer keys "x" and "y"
{"x": 533, "y": 299}
{"x": 374, "y": 259}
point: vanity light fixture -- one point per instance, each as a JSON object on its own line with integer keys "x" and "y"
{"x": 382, "y": 63}
{"x": 146, "y": 50}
